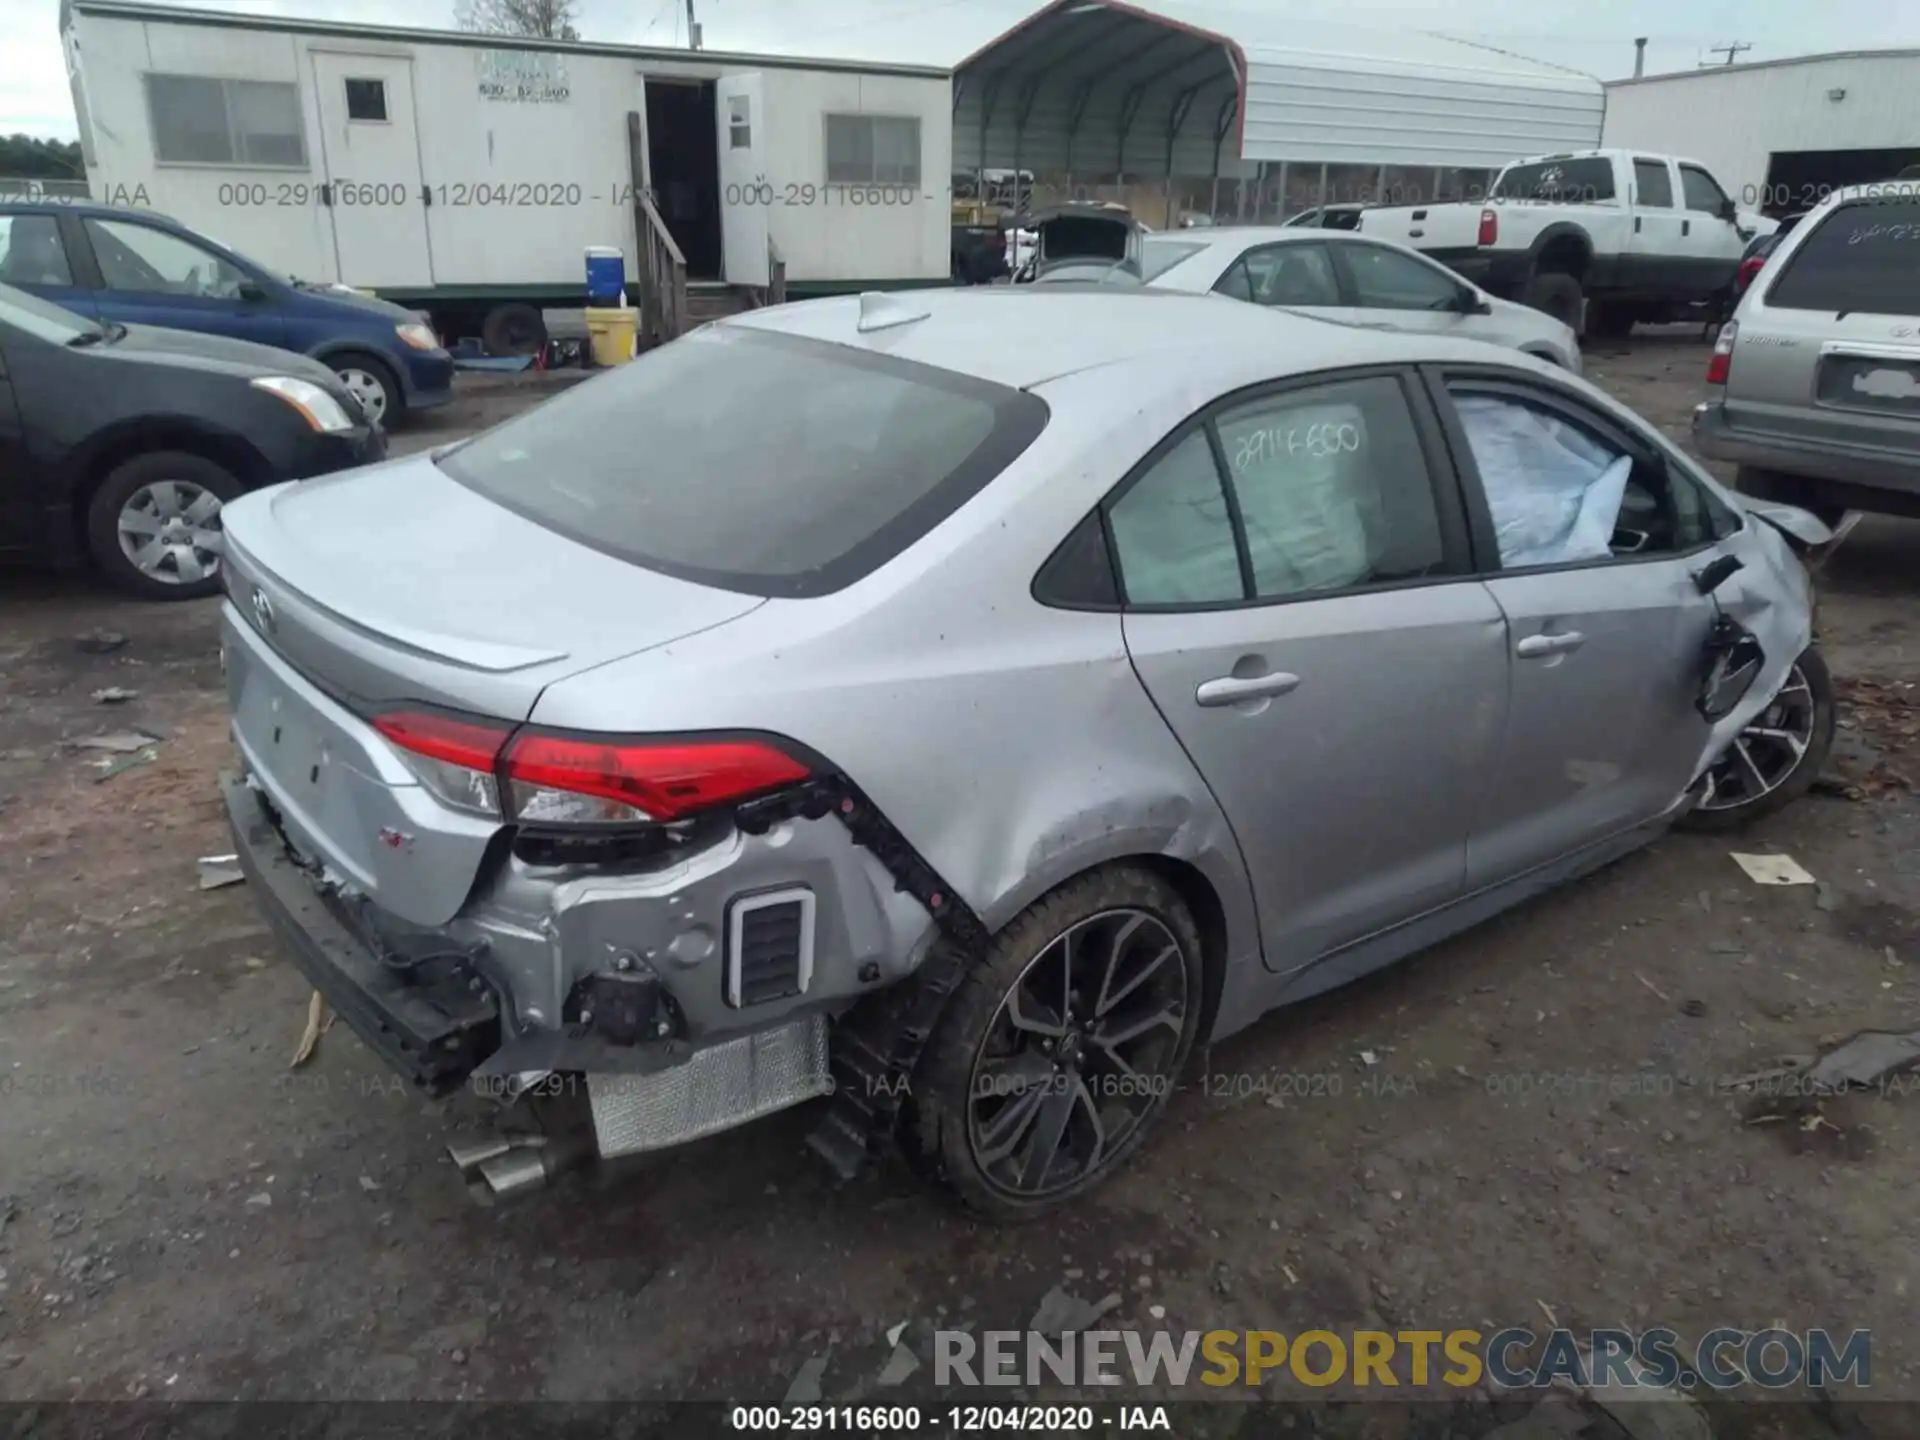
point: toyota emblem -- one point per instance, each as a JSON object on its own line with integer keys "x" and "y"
{"x": 263, "y": 610}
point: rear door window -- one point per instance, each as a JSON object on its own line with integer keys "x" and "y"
{"x": 1864, "y": 258}
{"x": 1561, "y": 182}
{"x": 1652, "y": 186}
{"x": 1292, "y": 274}
{"x": 31, "y": 252}
{"x": 754, "y": 461}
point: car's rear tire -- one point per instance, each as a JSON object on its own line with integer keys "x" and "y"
{"x": 1035, "y": 1043}
{"x": 153, "y": 525}
{"x": 373, "y": 384}
{"x": 1558, "y": 296}
{"x": 514, "y": 329}
{"x": 1777, "y": 757}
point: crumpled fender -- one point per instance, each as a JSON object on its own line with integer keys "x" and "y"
{"x": 1773, "y": 597}
{"x": 1791, "y": 520}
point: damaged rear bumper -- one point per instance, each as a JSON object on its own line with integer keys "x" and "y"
{"x": 433, "y": 1029}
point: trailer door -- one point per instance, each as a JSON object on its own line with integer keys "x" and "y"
{"x": 371, "y": 153}
{"x": 746, "y": 190}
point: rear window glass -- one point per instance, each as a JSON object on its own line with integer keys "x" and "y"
{"x": 753, "y": 461}
{"x": 1864, "y": 258}
{"x": 1563, "y": 182}
{"x": 1159, "y": 256}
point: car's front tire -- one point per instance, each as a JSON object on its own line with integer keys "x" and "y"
{"x": 372, "y": 383}
{"x": 1777, "y": 757}
{"x": 153, "y": 525}
{"x": 1062, "y": 1046}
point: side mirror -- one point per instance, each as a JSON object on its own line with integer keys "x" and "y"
{"x": 1472, "y": 302}
{"x": 1728, "y": 210}
{"x": 252, "y": 291}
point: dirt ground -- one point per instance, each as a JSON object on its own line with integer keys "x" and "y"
{"x": 184, "y": 1217}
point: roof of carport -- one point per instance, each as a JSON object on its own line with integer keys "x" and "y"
{"x": 1303, "y": 89}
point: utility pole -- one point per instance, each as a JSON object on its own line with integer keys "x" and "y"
{"x": 1736, "y": 48}
{"x": 693, "y": 28}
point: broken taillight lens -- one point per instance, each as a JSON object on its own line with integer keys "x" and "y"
{"x": 589, "y": 780}
{"x": 557, "y": 780}
{"x": 1721, "y": 364}
{"x": 453, "y": 758}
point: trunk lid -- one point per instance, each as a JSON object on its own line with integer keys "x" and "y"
{"x": 395, "y": 585}
{"x": 396, "y": 582}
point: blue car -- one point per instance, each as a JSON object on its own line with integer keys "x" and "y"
{"x": 131, "y": 267}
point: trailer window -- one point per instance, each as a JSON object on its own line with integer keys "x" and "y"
{"x": 753, "y": 461}
{"x": 1863, "y": 259}
{"x": 198, "y": 120}
{"x": 739, "y": 123}
{"x": 873, "y": 150}
{"x": 366, "y": 100}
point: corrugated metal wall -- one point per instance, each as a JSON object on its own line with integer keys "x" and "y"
{"x": 1299, "y": 113}
{"x": 1733, "y": 119}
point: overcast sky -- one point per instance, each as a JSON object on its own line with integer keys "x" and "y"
{"x": 1597, "y": 39}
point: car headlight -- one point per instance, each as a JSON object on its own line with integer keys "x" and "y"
{"x": 316, "y": 406}
{"x": 420, "y": 337}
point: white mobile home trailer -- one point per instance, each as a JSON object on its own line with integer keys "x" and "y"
{"x": 462, "y": 173}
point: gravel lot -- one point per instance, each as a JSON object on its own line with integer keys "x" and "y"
{"x": 186, "y": 1218}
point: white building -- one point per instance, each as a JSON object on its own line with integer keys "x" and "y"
{"x": 457, "y": 172}
{"x": 1780, "y": 133}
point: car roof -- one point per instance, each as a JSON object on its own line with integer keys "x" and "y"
{"x": 1023, "y": 335}
{"x": 98, "y": 208}
{"x": 1248, "y": 234}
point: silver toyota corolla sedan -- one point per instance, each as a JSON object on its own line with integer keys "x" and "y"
{"x": 967, "y": 705}
{"x": 1356, "y": 279}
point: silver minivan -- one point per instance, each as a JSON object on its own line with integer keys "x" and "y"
{"x": 1817, "y": 376}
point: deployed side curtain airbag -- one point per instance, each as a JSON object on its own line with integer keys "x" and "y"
{"x": 1554, "y": 490}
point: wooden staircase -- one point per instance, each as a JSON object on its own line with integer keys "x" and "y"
{"x": 670, "y": 304}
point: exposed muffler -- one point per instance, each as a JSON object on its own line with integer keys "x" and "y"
{"x": 507, "y": 1167}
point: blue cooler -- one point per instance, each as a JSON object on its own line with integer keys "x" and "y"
{"x": 606, "y": 275}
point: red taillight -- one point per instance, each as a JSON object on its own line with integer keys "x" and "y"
{"x": 1721, "y": 365}
{"x": 1489, "y": 227}
{"x": 1749, "y": 268}
{"x": 472, "y": 744}
{"x": 555, "y": 778}
{"x": 488, "y": 768}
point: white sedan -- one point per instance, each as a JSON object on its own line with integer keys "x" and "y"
{"x": 1354, "y": 279}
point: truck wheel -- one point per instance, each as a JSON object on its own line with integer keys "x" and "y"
{"x": 1609, "y": 321}
{"x": 1061, "y": 1047}
{"x": 514, "y": 329}
{"x": 1558, "y": 296}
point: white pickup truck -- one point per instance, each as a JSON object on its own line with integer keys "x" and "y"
{"x": 1599, "y": 239}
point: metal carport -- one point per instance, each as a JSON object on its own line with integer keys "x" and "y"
{"x": 1104, "y": 94}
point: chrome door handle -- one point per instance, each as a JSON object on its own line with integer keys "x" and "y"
{"x": 1535, "y": 646}
{"x": 1231, "y": 690}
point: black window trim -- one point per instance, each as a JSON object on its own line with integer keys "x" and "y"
{"x": 1537, "y": 390}
{"x": 1442, "y": 477}
{"x": 1019, "y": 417}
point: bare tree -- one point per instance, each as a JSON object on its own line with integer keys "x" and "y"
{"x": 543, "y": 19}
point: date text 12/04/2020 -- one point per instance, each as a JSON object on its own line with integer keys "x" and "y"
{"x": 545, "y": 195}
